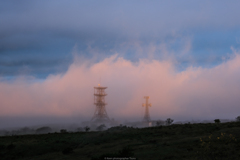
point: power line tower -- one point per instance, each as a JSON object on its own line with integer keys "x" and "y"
{"x": 100, "y": 113}
{"x": 146, "y": 117}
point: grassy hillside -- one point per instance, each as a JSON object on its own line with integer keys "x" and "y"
{"x": 186, "y": 141}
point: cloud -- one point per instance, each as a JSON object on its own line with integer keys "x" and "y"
{"x": 34, "y": 31}
{"x": 162, "y": 48}
{"x": 136, "y": 18}
{"x": 195, "y": 93}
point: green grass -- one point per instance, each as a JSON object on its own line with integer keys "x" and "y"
{"x": 186, "y": 141}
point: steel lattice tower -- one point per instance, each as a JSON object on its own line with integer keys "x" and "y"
{"x": 100, "y": 113}
{"x": 146, "y": 117}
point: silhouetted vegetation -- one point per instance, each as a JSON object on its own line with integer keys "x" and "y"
{"x": 86, "y": 128}
{"x": 217, "y": 121}
{"x": 63, "y": 131}
{"x": 176, "y": 141}
{"x": 169, "y": 121}
{"x": 238, "y": 119}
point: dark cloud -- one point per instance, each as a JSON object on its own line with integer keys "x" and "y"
{"x": 37, "y": 67}
{"x": 49, "y": 29}
{"x": 129, "y": 18}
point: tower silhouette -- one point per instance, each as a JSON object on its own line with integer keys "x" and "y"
{"x": 100, "y": 113}
{"x": 146, "y": 117}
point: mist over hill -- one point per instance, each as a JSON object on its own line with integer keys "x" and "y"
{"x": 20, "y": 126}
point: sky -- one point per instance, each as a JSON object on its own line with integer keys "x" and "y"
{"x": 183, "y": 54}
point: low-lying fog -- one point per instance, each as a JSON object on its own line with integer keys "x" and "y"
{"x": 40, "y": 125}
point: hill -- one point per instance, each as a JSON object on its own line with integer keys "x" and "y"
{"x": 178, "y": 141}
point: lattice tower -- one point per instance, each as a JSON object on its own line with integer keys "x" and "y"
{"x": 100, "y": 113}
{"x": 146, "y": 117}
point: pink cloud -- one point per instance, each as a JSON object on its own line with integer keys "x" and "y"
{"x": 196, "y": 93}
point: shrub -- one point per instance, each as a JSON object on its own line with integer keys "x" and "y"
{"x": 86, "y": 128}
{"x": 169, "y": 121}
{"x": 63, "y": 131}
{"x": 217, "y": 121}
{"x": 238, "y": 119}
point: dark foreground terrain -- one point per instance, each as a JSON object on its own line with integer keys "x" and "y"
{"x": 185, "y": 141}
